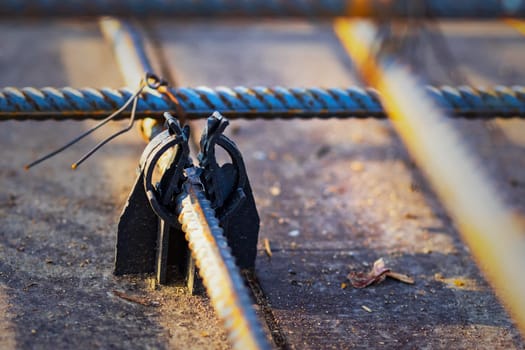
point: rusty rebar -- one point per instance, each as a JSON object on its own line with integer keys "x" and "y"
{"x": 221, "y": 277}
{"x": 488, "y": 226}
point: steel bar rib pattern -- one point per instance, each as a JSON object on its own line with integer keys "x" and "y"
{"x": 209, "y": 247}
{"x": 257, "y": 102}
{"x": 218, "y": 270}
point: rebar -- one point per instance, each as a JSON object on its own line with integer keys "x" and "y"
{"x": 251, "y": 103}
{"x": 258, "y": 8}
{"x": 205, "y": 237}
{"x": 133, "y": 61}
{"x": 488, "y": 226}
{"x": 217, "y": 268}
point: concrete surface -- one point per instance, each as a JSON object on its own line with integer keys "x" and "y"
{"x": 333, "y": 197}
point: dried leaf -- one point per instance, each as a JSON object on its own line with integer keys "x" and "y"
{"x": 400, "y": 277}
{"x": 377, "y": 275}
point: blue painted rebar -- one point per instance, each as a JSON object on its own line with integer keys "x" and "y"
{"x": 257, "y": 8}
{"x": 257, "y": 102}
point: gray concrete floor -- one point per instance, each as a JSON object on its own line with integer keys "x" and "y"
{"x": 348, "y": 188}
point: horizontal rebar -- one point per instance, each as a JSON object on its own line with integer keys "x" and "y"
{"x": 258, "y": 8}
{"x": 250, "y": 103}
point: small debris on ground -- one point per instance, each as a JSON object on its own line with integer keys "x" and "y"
{"x": 267, "y": 247}
{"x": 259, "y": 155}
{"x": 366, "y": 308}
{"x": 377, "y": 275}
{"x": 32, "y": 284}
{"x": 136, "y": 299}
{"x": 151, "y": 283}
{"x": 293, "y": 233}
{"x": 334, "y": 190}
{"x": 400, "y": 277}
{"x": 8, "y": 201}
{"x": 426, "y": 250}
{"x": 357, "y": 166}
{"x": 410, "y": 216}
{"x": 457, "y": 282}
{"x": 323, "y": 151}
{"x": 275, "y": 190}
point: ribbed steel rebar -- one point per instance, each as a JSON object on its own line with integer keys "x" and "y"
{"x": 492, "y": 231}
{"x": 257, "y": 8}
{"x": 129, "y": 48}
{"x": 243, "y": 102}
{"x": 218, "y": 270}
